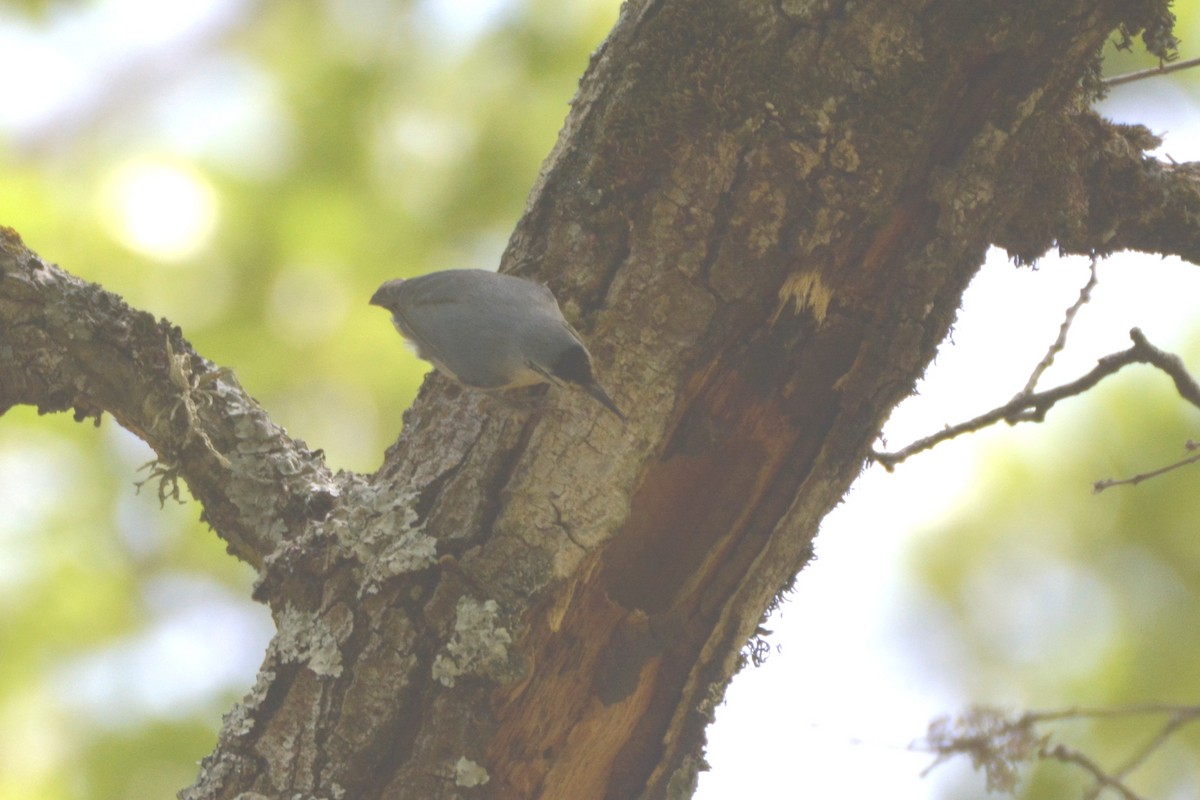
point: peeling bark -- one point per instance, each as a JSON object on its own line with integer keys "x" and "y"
{"x": 762, "y": 217}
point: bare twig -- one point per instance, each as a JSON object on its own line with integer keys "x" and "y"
{"x": 1085, "y": 294}
{"x": 998, "y": 742}
{"x": 1161, "y": 69}
{"x": 1033, "y": 407}
{"x": 1141, "y": 756}
{"x": 1100, "y": 486}
{"x": 1069, "y": 755}
{"x": 1110, "y": 712}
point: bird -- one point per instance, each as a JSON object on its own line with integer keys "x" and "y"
{"x": 490, "y": 331}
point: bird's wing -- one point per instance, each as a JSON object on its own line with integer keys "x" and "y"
{"x": 428, "y": 305}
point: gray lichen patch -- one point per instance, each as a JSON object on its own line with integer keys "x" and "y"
{"x": 479, "y": 646}
{"x": 307, "y": 638}
{"x": 387, "y": 542}
{"x": 409, "y": 551}
{"x": 467, "y": 773}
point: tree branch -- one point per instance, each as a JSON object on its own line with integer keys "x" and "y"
{"x": 68, "y": 344}
{"x": 1060, "y": 343}
{"x": 1153, "y": 72}
{"x": 1069, "y": 755}
{"x": 1101, "y": 193}
{"x": 998, "y": 742}
{"x": 1108, "y": 483}
{"x": 1034, "y": 406}
{"x": 1179, "y": 720}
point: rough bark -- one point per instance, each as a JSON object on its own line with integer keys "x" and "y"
{"x": 762, "y": 216}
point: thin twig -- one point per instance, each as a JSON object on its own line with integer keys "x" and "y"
{"x": 1085, "y": 294}
{"x": 1100, "y": 486}
{"x": 1143, "y": 755}
{"x": 1107, "y": 712}
{"x": 998, "y": 743}
{"x": 1179, "y": 716}
{"x": 1069, "y": 755}
{"x": 1161, "y": 69}
{"x": 1033, "y": 407}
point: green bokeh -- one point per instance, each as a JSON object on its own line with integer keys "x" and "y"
{"x": 1060, "y": 598}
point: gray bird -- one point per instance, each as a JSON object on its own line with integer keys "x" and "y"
{"x": 490, "y": 331}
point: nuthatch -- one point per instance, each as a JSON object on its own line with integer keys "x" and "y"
{"x": 490, "y": 331}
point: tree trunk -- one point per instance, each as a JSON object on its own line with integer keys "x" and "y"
{"x": 761, "y": 216}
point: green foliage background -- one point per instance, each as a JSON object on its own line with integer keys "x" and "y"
{"x": 344, "y": 144}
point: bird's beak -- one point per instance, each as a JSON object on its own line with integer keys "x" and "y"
{"x": 597, "y": 391}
